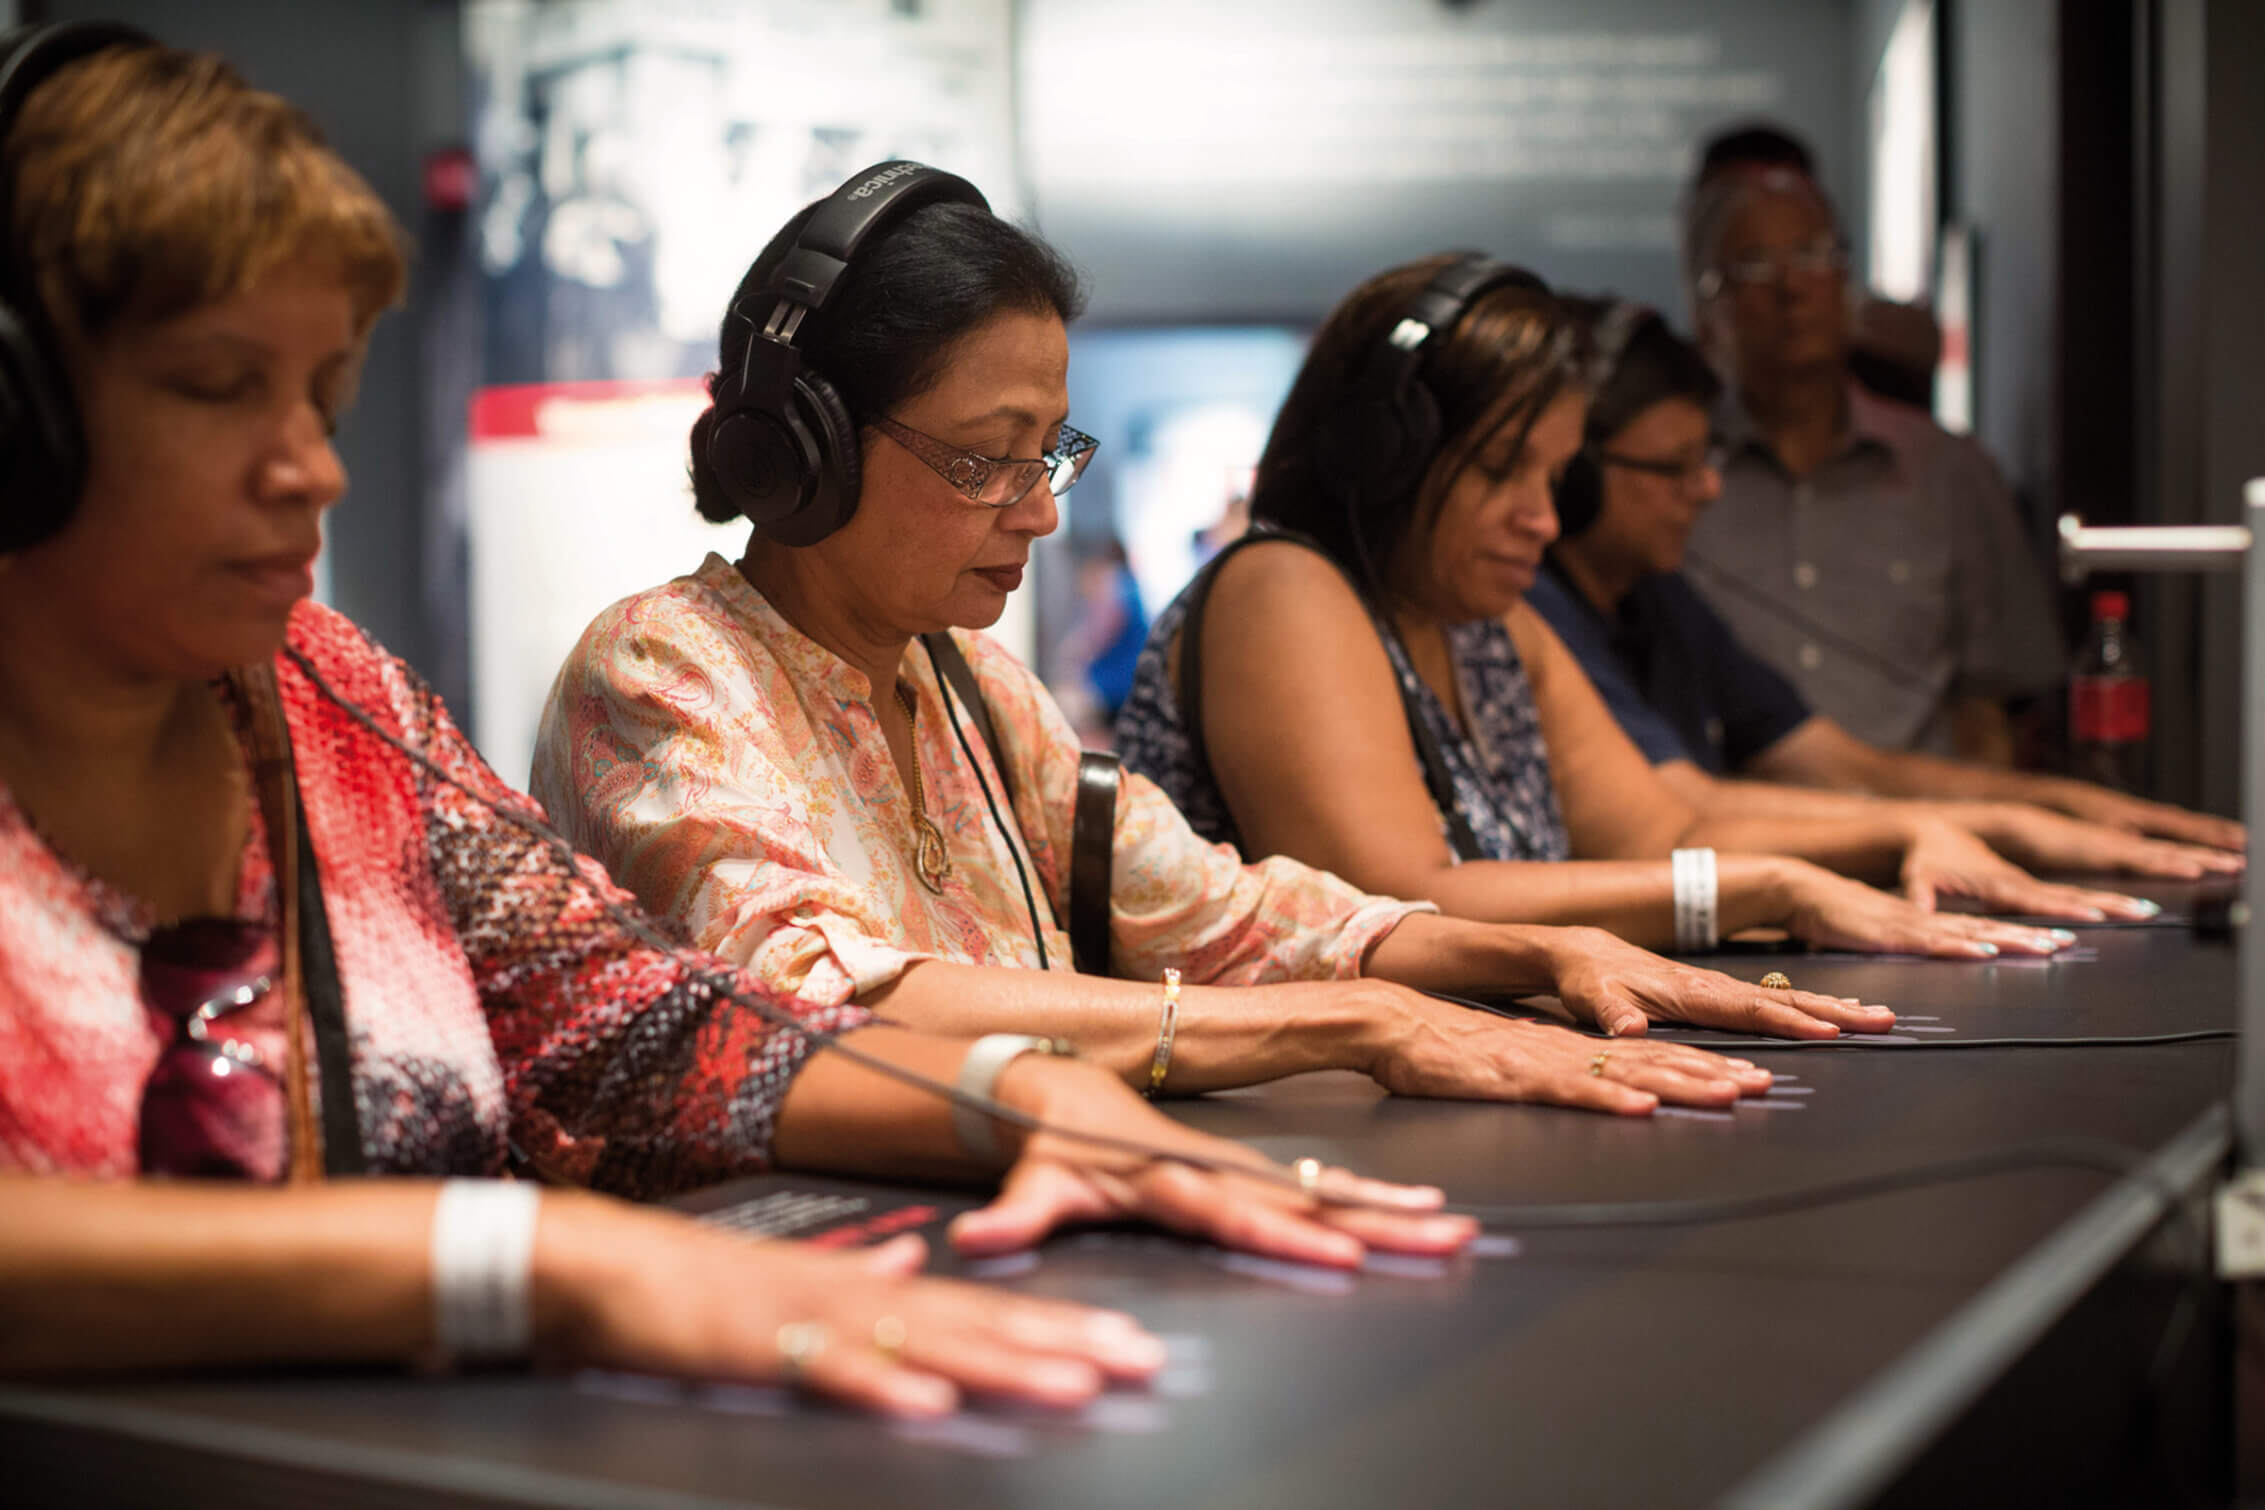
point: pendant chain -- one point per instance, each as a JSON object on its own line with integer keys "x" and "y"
{"x": 930, "y": 858}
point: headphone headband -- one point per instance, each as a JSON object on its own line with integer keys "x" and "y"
{"x": 841, "y": 223}
{"x": 31, "y": 55}
{"x": 1613, "y": 333}
{"x": 1445, "y": 300}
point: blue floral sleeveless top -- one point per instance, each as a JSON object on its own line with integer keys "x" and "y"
{"x": 1498, "y": 768}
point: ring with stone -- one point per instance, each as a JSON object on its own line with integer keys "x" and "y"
{"x": 1598, "y": 1062}
{"x": 1777, "y": 980}
{"x": 1308, "y": 1172}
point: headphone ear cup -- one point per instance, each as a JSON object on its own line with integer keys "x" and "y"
{"x": 833, "y": 472}
{"x": 763, "y": 460}
{"x": 41, "y": 457}
{"x": 1419, "y": 434}
{"x": 1580, "y": 496}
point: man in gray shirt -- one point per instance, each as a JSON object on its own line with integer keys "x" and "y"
{"x": 1870, "y": 555}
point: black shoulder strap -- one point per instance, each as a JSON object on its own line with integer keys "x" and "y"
{"x": 1093, "y": 839}
{"x": 944, "y": 651}
{"x": 1188, "y": 688}
{"x": 326, "y": 1012}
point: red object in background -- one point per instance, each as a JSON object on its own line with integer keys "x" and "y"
{"x": 450, "y": 179}
{"x": 2108, "y": 702}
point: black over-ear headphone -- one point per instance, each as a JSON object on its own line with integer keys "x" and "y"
{"x": 782, "y": 445}
{"x": 1390, "y": 429}
{"x": 42, "y": 450}
{"x": 1580, "y": 491}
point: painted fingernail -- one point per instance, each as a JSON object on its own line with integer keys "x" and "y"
{"x": 2149, "y": 909}
{"x": 1989, "y": 950}
{"x": 2064, "y": 936}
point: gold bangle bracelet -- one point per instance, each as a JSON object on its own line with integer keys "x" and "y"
{"x": 1166, "y": 1029}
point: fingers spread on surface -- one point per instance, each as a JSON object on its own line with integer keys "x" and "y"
{"x": 846, "y": 1370}
{"x": 977, "y": 1359}
{"x": 1255, "y": 1219}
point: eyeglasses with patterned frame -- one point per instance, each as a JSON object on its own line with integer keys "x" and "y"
{"x": 997, "y": 482}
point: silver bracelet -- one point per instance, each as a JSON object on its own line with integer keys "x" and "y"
{"x": 1696, "y": 929}
{"x": 979, "y": 1075}
{"x": 483, "y": 1262}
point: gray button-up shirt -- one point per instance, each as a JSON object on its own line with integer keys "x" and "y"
{"x": 1887, "y": 582}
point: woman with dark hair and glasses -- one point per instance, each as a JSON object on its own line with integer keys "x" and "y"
{"x": 787, "y": 753}
{"x": 266, "y": 916}
{"x": 1446, "y": 745}
{"x": 1701, "y": 706}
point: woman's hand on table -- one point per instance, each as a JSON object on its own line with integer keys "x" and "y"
{"x": 633, "y": 1288}
{"x": 1833, "y": 912}
{"x": 1946, "y": 860}
{"x": 1605, "y": 980}
{"x": 2045, "y": 840}
{"x": 1430, "y": 1047}
{"x": 2159, "y": 820}
{"x": 1058, "y": 1181}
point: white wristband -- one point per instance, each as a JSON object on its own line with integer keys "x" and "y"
{"x": 1695, "y": 893}
{"x": 483, "y": 1250}
{"x": 979, "y": 1074}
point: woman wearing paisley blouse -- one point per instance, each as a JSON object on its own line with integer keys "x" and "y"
{"x": 264, "y": 914}
{"x": 1401, "y": 508}
{"x": 766, "y": 751}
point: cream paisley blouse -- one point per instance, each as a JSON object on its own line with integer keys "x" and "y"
{"x": 732, "y": 773}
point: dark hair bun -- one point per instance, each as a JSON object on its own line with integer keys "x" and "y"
{"x": 707, "y": 494}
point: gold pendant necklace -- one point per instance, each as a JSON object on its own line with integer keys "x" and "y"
{"x": 929, "y": 857}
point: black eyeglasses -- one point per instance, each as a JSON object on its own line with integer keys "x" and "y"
{"x": 1686, "y": 470}
{"x": 997, "y": 482}
{"x": 1769, "y": 269}
{"x": 211, "y": 1108}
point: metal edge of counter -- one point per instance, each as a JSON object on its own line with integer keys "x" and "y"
{"x": 1854, "y": 1453}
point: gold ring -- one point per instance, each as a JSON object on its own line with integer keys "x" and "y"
{"x": 799, "y": 1343}
{"x": 1309, "y": 1176}
{"x": 1597, "y": 1063}
{"x": 888, "y": 1338}
{"x": 1777, "y": 980}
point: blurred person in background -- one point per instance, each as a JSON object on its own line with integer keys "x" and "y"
{"x": 1893, "y": 348}
{"x": 1873, "y": 558}
{"x": 1095, "y": 654}
{"x": 1704, "y": 709}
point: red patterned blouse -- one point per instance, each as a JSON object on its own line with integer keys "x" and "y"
{"x": 491, "y": 1001}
